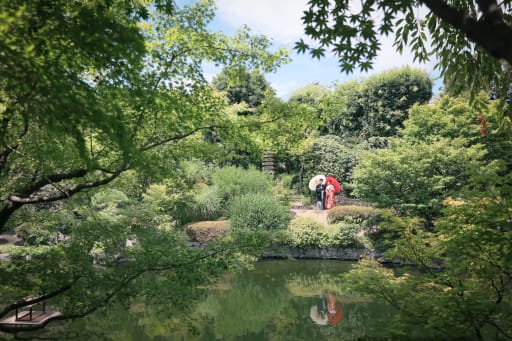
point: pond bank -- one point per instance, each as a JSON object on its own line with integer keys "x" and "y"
{"x": 335, "y": 253}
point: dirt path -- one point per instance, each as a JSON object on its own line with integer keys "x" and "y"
{"x": 318, "y": 215}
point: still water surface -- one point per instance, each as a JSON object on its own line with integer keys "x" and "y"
{"x": 277, "y": 300}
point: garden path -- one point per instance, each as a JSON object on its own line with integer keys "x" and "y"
{"x": 308, "y": 211}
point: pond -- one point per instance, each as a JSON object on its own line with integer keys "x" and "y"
{"x": 276, "y": 300}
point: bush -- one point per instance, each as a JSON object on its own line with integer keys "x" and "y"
{"x": 351, "y": 214}
{"x": 208, "y": 203}
{"x": 233, "y": 182}
{"x": 212, "y": 201}
{"x": 33, "y": 233}
{"x": 305, "y": 232}
{"x": 330, "y": 155}
{"x": 258, "y": 212}
{"x": 348, "y": 235}
{"x": 204, "y": 231}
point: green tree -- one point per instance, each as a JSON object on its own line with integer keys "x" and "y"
{"x": 462, "y": 271}
{"x": 331, "y": 155}
{"x": 439, "y": 147}
{"x": 311, "y": 94}
{"x": 377, "y": 106}
{"x": 243, "y": 86}
{"x": 415, "y": 178}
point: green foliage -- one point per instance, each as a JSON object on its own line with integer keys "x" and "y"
{"x": 306, "y": 232}
{"x": 416, "y": 177}
{"x": 348, "y": 235}
{"x": 384, "y": 230}
{"x": 242, "y": 86}
{"x": 208, "y": 203}
{"x": 233, "y": 181}
{"x": 33, "y": 233}
{"x": 452, "y": 117}
{"x": 167, "y": 203}
{"x": 460, "y": 266}
{"x": 38, "y": 60}
{"x": 102, "y": 101}
{"x": 448, "y": 117}
{"x": 80, "y": 112}
{"x": 330, "y": 155}
{"x": 311, "y": 94}
{"x": 258, "y": 211}
{"x": 377, "y": 106}
{"x": 282, "y": 189}
{"x": 356, "y": 214}
{"x": 287, "y": 128}
{"x": 227, "y": 183}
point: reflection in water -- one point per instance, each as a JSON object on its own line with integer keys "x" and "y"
{"x": 327, "y": 310}
{"x": 277, "y": 300}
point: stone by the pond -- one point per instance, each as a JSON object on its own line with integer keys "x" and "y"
{"x": 319, "y": 253}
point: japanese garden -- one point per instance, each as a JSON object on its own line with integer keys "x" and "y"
{"x": 141, "y": 200}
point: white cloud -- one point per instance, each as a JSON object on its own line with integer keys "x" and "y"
{"x": 388, "y": 57}
{"x": 278, "y": 19}
{"x": 285, "y": 88}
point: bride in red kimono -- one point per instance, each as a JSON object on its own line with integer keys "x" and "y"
{"x": 329, "y": 195}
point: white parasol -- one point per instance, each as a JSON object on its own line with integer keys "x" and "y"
{"x": 318, "y": 317}
{"x": 314, "y": 181}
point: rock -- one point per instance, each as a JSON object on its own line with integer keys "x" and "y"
{"x": 316, "y": 253}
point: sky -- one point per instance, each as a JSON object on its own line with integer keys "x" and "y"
{"x": 280, "y": 20}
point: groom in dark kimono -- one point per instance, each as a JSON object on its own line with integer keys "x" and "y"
{"x": 320, "y": 194}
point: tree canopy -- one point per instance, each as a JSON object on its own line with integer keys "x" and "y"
{"x": 89, "y": 91}
{"x": 377, "y": 106}
{"x": 244, "y": 86}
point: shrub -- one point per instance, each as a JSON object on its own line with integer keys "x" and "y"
{"x": 258, "y": 212}
{"x": 212, "y": 201}
{"x": 331, "y": 155}
{"x": 385, "y": 229}
{"x": 208, "y": 203}
{"x": 204, "y": 231}
{"x": 233, "y": 182}
{"x": 351, "y": 214}
{"x": 36, "y": 234}
{"x": 305, "y": 232}
{"x": 348, "y": 235}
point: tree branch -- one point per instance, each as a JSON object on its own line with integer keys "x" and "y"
{"x": 195, "y": 130}
{"x": 37, "y": 185}
{"x": 17, "y": 200}
{"x": 63, "y": 195}
{"x": 490, "y": 10}
{"x": 490, "y": 32}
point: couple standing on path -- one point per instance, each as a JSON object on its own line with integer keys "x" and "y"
{"x": 324, "y": 195}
